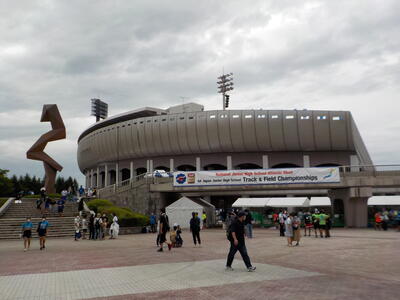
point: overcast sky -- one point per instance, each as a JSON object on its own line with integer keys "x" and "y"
{"x": 336, "y": 55}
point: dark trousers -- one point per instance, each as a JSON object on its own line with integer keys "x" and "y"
{"x": 91, "y": 232}
{"x": 282, "y": 229}
{"x": 153, "y": 227}
{"x": 196, "y": 236}
{"x": 243, "y": 252}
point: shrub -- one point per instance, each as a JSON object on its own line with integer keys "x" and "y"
{"x": 127, "y": 218}
{"x": 52, "y": 196}
{"x": 97, "y": 203}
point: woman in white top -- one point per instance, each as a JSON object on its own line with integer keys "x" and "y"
{"x": 114, "y": 228}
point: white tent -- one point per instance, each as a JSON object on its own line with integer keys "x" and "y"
{"x": 288, "y": 202}
{"x": 320, "y": 201}
{"x": 250, "y": 202}
{"x": 180, "y": 212}
{"x": 384, "y": 200}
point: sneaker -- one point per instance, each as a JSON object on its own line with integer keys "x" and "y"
{"x": 251, "y": 269}
{"x": 160, "y": 250}
{"x": 228, "y": 268}
{"x": 25, "y": 249}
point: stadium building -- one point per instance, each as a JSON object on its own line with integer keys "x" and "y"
{"x": 116, "y": 151}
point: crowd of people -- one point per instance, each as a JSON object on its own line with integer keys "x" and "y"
{"x": 95, "y": 227}
{"x": 290, "y": 224}
{"x": 385, "y": 218}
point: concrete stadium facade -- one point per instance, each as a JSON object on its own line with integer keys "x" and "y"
{"x": 188, "y": 138}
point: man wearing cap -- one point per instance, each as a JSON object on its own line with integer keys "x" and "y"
{"x": 236, "y": 237}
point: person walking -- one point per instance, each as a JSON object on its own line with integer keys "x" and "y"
{"x": 322, "y": 223}
{"x": 308, "y": 224}
{"x": 195, "y": 229}
{"x": 153, "y": 222}
{"x": 289, "y": 229}
{"x": 296, "y": 229}
{"x": 27, "y": 233}
{"x": 77, "y": 226}
{"x": 316, "y": 218}
{"x": 282, "y": 219}
{"x": 97, "y": 227}
{"x": 42, "y": 232}
{"x": 237, "y": 243}
{"x": 114, "y": 228}
{"x": 104, "y": 224}
{"x": 164, "y": 228}
{"x": 91, "y": 226}
{"x": 248, "y": 221}
{"x": 60, "y": 205}
{"x": 204, "y": 218}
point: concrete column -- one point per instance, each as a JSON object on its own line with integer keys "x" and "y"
{"x": 355, "y": 202}
{"x": 131, "y": 170}
{"x": 91, "y": 178}
{"x": 151, "y": 166}
{"x": 306, "y": 161}
{"x": 265, "y": 162}
{"x": 171, "y": 165}
{"x": 116, "y": 173}
{"x": 198, "y": 164}
{"x": 98, "y": 178}
{"x": 148, "y": 166}
{"x": 86, "y": 179}
{"x": 229, "y": 162}
{"x": 354, "y": 161}
{"x": 105, "y": 175}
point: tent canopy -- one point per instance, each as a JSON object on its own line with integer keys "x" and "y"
{"x": 320, "y": 201}
{"x": 250, "y": 202}
{"x": 384, "y": 200}
{"x": 288, "y": 202}
{"x": 185, "y": 202}
{"x": 272, "y": 202}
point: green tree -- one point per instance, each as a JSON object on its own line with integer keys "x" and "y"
{"x": 6, "y": 186}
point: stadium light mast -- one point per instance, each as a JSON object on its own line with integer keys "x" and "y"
{"x": 225, "y": 84}
{"x": 99, "y": 109}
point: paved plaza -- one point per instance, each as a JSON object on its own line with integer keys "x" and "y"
{"x": 353, "y": 264}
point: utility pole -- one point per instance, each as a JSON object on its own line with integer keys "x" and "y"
{"x": 225, "y": 84}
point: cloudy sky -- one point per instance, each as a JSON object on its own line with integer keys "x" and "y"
{"x": 339, "y": 55}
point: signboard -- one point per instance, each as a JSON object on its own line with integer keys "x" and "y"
{"x": 259, "y": 176}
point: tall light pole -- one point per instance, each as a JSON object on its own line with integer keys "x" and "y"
{"x": 225, "y": 84}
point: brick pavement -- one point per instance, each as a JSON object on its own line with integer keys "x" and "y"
{"x": 354, "y": 263}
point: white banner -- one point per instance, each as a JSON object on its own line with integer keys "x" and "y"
{"x": 259, "y": 176}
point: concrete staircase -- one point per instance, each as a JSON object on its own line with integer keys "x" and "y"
{"x": 16, "y": 213}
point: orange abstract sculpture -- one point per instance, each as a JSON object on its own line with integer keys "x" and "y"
{"x": 50, "y": 114}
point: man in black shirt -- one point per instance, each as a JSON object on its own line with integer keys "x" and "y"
{"x": 195, "y": 228}
{"x": 163, "y": 229}
{"x": 236, "y": 237}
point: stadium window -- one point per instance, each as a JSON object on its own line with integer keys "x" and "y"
{"x": 123, "y": 125}
{"x": 337, "y": 118}
{"x": 148, "y": 121}
{"x": 261, "y": 116}
{"x": 304, "y": 117}
{"x": 224, "y": 116}
{"x": 172, "y": 119}
{"x": 321, "y": 117}
{"x": 141, "y": 122}
{"x": 235, "y": 116}
{"x": 182, "y": 118}
{"x": 212, "y": 116}
{"x": 129, "y": 124}
{"x": 274, "y": 117}
{"x": 155, "y": 121}
{"x": 164, "y": 120}
{"x": 191, "y": 118}
{"x": 135, "y": 123}
{"x": 248, "y": 116}
{"x": 288, "y": 117}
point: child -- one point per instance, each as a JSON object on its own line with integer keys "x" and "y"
{"x": 179, "y": 241}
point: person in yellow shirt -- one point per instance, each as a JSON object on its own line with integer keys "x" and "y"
{"x": 204, "y": 218}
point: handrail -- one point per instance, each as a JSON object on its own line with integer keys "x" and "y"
{"x": 5, "y": 206}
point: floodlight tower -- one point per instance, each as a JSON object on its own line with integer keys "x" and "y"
{"x": 225, "y": 84}
{"x": 99, "y": 109}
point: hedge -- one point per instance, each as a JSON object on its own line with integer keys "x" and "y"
{"x": 127, "y": 217}
{"x": 38, "y": 196}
